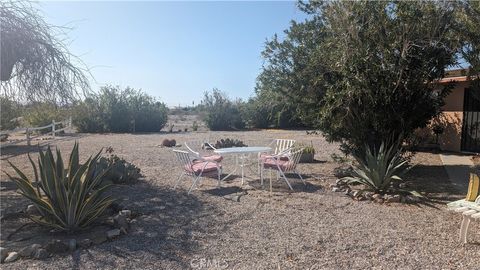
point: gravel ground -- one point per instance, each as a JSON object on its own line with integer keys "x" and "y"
{"x": 310, "y": 228}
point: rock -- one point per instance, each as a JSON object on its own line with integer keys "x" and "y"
{"x": 343, "y": 171}
{"x": 403, "y": 185}
{"x": 376, "y": 196}
{"x": 113, "y": 233}
{"x": 12, "y": 256}
{"x": 99, "y": 239}
{"x": 413, "y": 199}
{"x": 109, "y": 222}
{"x": 248, "y": 187}
{"x": 394, "y": 199}
{"x": 72, "y": 244}
{"x": 380, "y": 200}
{"x": 357, "y": 194}
{"x": 336, "y": 189}
{"x": 120, "y": 221}
{"x": 40, "y": 254}
{"x": 85, "y": 243}
{"x": 368, "y": 195}
{"x": 56, "y": 246}
{"x": 347, "y": 192}
{"x": 3, "y": 253}
{"x": 32, "y": 210}
{"x": 233, "y": 197}
{"x": 29, "y": 251}
{"x": 127, "y": 213}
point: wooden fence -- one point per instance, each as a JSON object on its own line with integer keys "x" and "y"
{"x": 67, "y": 124}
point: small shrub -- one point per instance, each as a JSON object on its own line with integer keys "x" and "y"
{"x": 60, "y": 193}
{"x": 194, "y": 126}
{"x": 121, "y": 171}
{"x": 10, "y": 110}
{"x": 225, "y": 143}
{"x": 170, "y": 127}
{"x": 169, "y": 143}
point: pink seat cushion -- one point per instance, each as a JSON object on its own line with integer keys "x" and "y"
{"x": 272, "y": 164}
{"x": 266, "y": 156}
{"x": 216, "y": 158}
{"x": 197, "y": 167}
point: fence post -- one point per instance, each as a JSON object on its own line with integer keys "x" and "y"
{"x": 69, "y": 123}
{"x": 27, "y": 132}
{"x": 53, "y": 129}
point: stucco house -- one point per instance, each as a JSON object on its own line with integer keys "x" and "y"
{"x": 460, "y": 115}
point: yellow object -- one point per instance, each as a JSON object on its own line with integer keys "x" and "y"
{"x": 473, "y": 188}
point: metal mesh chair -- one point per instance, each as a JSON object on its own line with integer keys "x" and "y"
{"x": 285, "y": 162}
{"x": 196, "y": 168}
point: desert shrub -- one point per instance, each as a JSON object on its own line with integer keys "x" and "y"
{"x": 169, "y": 143}
{"x": 9, "y": 111}
{"x": 195, "y": 126}
{"x": 117, "y": 110}
{"x": 119, "y": 171}
{"x": 59, "y": 193}
{"x": 42, "y": 114}
{"x": 221, "y": 112}
{"x": 88, "y": 116}
{"x": 380, "y": 170}
{"x": 225, "y": 143}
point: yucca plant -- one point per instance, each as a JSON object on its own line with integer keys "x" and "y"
{"x": 379, "y": 169}
{"x": 67, "y": 199}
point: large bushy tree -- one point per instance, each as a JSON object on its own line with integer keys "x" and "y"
{"x": 35, "y": 63}
{"x": 365, "y": 71}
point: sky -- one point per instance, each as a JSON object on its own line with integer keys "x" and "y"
{"x": 174, "y": 51}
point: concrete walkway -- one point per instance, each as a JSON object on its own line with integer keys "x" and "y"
{"x": 458, "y": 168}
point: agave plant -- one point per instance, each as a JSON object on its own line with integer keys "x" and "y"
{"x": 67, "y": 199}
{"x": 378, "y": 170}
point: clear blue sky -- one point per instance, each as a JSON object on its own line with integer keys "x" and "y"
{"x": 173, "y": 50}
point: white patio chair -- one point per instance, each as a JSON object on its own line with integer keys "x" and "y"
{"x": 196, "y": 168}
{"x": 282, "y": 163}
{"x": 200, "y": 149}
{"x": 470, "y": 212}
{"x": 279, "y": 146}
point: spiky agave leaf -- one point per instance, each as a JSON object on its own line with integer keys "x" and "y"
{"x": 68, "y": 199}
{"x": 379, "y": 168}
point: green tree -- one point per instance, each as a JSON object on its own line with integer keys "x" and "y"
{"x": 366, "y": 71}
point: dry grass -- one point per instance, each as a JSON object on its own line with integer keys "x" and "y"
{"x": 311, "y": 228}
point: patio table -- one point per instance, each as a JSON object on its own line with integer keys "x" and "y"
{"x": 241, "y": 153}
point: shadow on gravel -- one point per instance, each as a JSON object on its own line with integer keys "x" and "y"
{"x": 169, "y": 221}
{"x": 432, "y": 179}
{"x": 222, "y": 191}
